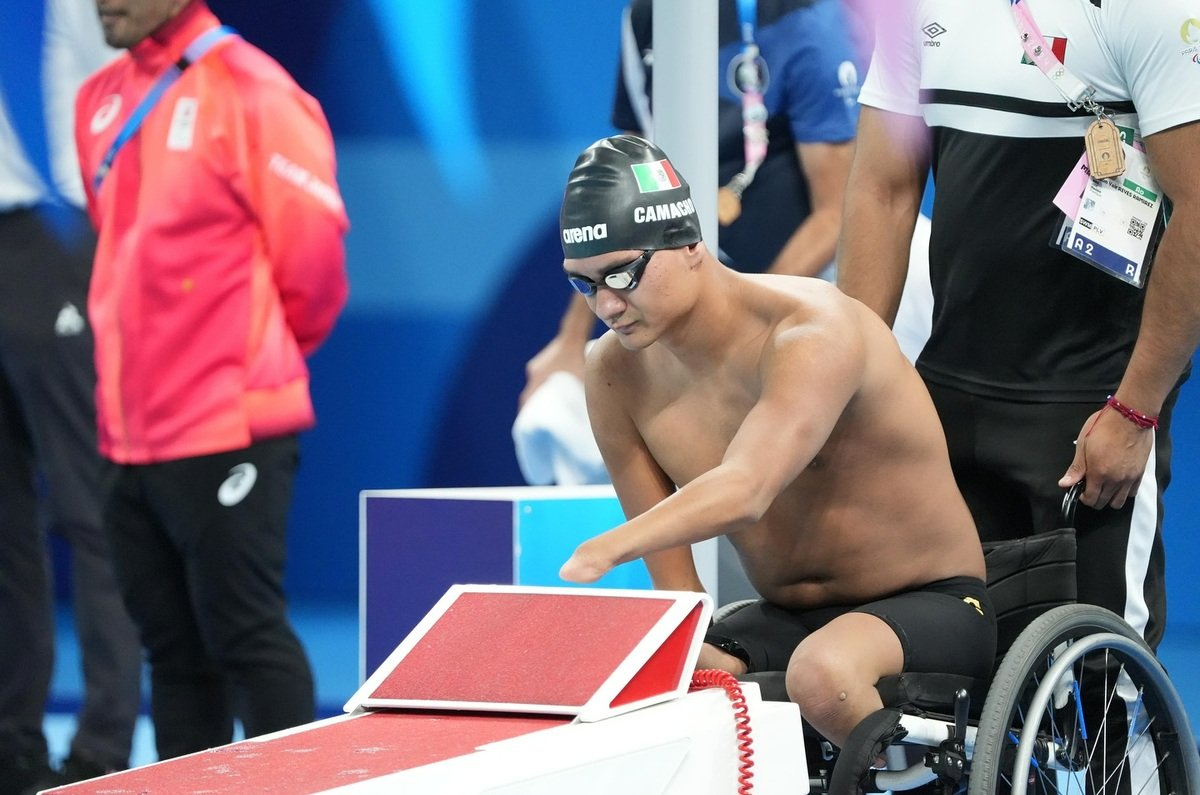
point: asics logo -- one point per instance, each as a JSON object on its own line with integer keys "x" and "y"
{"x": 106, "y": 113}
{"x": 235, "y": 487}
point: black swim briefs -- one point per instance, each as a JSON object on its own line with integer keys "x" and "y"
{"x": 946, "y": 626}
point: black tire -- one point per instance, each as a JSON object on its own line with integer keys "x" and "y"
{"x": 1096, "y": 650}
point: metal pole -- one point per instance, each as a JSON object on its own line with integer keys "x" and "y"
{"x": 684, "y": 100}
{"x": 684, "y": 97}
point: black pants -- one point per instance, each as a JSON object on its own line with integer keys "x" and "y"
{"x": 50, "y": 478}
{"x": 200, "y": 545}
{"x": 1007, "y": 458}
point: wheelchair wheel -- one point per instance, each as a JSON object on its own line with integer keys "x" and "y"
{"x": 1080, "y": 705}
{"x": 725, "y": 611}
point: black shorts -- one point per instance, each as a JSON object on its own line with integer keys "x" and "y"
{"x": 946, "y": 626}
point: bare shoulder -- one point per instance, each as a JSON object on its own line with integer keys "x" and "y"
{"x": 802, "y": 292}
{"x": 607, "y": 356}
{"x": 815, "y": 327}
{"x": 612, "y": 370}
{"x": 808, "y": 308}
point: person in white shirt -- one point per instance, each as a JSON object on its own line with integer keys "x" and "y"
{"x": 50, "y": 468}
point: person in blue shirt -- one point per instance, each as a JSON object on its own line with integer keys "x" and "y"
{"x": 781, "y": 213}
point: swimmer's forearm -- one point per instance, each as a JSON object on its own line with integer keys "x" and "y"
{"x": 708, "y": 507}
{"x": 598, "y": 555}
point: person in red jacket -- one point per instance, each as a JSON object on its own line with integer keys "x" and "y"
{"x": 220, "y": 266}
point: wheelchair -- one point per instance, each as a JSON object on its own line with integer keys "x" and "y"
{"x": 1078, "y": 703}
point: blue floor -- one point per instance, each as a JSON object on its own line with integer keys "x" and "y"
{"x": 1179, "y": 653}
{"x": 330, "y": 633}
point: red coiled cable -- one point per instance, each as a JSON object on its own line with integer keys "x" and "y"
{"x": 707, "y": 678}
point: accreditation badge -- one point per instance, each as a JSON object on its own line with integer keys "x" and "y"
{"x": 1117, "y": 221}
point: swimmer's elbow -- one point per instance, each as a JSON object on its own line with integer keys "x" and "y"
{"x": 747, "y": 498}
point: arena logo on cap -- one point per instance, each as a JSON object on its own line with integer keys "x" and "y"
{"x": 581, "y": 234}
{"x": 656, "y": 176}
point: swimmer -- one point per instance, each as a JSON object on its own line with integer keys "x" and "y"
{"x": 778, "y": 412}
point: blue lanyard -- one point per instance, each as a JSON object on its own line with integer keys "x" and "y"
{"x": 754, "y": 112}
{"x": 192, "y": 53}
{"x": 746, "y": 15}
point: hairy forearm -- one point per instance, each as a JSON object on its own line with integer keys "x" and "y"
{"x": 873, "y": 250}
{"x": 883, "y": 197}
{"x": 1170, "y": 327}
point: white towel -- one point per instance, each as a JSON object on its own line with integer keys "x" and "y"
{"x": 553, "y": 437}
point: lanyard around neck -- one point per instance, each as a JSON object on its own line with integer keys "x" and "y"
{"x": 754, "y": 111}
{"x": 192, "y": 53}
{"x": 1077, "y": 93}
{"x": 747, "y": 13}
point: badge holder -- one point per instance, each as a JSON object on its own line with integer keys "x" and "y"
{"x": 1112, "y": 204}
{"x": 1116, "y": 222}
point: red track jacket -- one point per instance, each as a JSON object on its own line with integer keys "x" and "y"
{"x": 220, "y": 262}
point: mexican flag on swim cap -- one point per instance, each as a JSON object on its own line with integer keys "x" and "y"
{"x": 623, "y": 193}
{"x": 656, "y": 176}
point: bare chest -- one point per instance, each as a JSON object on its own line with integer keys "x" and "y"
{"x": 689, "y": 433}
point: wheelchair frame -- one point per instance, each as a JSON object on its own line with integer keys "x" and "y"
{"x": 1032, "y": 734}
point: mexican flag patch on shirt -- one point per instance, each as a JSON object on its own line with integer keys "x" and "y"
{"x": 656, "y": 176}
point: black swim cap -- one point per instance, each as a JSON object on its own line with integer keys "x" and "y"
{"x": 623, "y": 193}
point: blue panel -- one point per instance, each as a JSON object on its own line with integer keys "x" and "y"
{"x": 549, "y": 530}
{"x": 378, "y": 384}
{"x": 416, "y": 549}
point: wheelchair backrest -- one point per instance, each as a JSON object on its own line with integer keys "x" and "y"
{"x": 1028, "y": 576}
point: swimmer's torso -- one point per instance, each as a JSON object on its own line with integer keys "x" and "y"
{"x": 876, "y": 510}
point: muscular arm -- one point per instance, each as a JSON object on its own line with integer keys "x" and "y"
{"x": 1111, "y": 451}
{"x": 826, "y": 167}
{"x": 883, "y": 197}
{"x": 819, "y": 370}
{"x": 639, "y": 481}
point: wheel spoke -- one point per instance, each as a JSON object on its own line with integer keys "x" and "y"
{"x": 1082, "y": 693}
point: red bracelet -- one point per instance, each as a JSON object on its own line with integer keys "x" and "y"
{"x": 1137, "y": 418}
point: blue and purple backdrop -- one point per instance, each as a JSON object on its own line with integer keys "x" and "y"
{"x": 456, "y": 122}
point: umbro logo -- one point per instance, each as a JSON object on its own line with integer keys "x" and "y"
{"x": 932, "y": 31}
{"x": 237, "y": 485}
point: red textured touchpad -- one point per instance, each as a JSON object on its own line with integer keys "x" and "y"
{"x": 522, "y": 649}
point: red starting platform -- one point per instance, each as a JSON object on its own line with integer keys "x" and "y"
{"x": 517, "y": 690}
